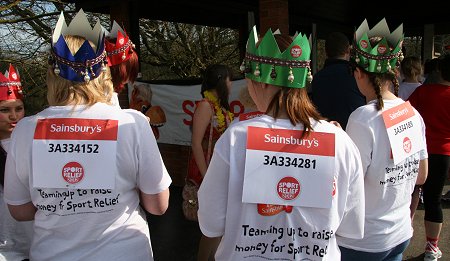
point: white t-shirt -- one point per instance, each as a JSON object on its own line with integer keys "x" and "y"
{"x": 115, "y": 99}
{"x": 388, "y": 196}
{"x": 306, "y": 232}
{"x": 15, "y": 237}
{"x": 90, "y": 224}
{"x": 405, "y": 89}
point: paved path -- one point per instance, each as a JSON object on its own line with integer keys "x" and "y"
{"x": 417, "y": 245}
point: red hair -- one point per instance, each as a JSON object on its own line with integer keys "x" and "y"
{"x": 123, "y": 72}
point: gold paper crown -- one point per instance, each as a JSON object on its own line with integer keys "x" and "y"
{"x": 387, "y": 52}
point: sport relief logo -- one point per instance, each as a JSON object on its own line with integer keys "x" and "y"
{"x": 73, "y": 172}
{"x": 407, "y": 146}
{"x": 288, "y": 188}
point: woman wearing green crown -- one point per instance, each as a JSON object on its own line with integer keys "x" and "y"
{"x": 281, "y": 186}
{"x": 390, "y": 135}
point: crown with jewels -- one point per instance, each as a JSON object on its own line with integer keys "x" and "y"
{"x": 10, "y": 86}
{"x": 385, "y": 55}
{"x": 87, "y": 63}
{"x": 118, "y": 45}
{"x": 267, "y": 64}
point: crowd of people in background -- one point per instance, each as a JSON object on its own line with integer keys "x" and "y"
{"x": 331, "y": 177}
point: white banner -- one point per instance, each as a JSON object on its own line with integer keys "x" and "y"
{"x": 178, "y": 104}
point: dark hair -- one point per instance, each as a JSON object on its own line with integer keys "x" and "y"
{"x": 215, "y": 79}
{"x": 444, "y": 67}
{"x": 336, "y": 44}
{"x": 430, "y": 65}
{"x": 298, "y": 106}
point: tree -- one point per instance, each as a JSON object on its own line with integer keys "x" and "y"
{"x": 169, "y": 50}
{"x": 179, "y": 51}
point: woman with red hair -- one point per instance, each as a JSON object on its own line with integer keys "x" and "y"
{"x": 122, "y": 59}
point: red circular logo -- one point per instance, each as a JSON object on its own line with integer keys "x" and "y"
{"x": 407, "y": 144}
{"x": 296, "y": 51}
{"x": 73, "y": 172}
{"x": 14, "y": 76}
{"x": 382, "y": 49}
{"x": 288, "y": 188}
{"x": 363, "y": 44}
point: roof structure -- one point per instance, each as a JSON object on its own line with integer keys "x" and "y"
{"x": 327, "y": 15}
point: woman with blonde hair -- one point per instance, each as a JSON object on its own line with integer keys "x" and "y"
{"x": 82, "y": 169}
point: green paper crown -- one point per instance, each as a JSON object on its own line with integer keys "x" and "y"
{"x": 382, "y": 57}
{"x": 267, "y": 64}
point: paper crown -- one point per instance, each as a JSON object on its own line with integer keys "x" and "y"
{"x": 118, "y": 45}
{"x": 385, "y": 55}
{"x": 267, "y": 64}
{"x": 10, "y": 87}
{"x": 86, "y": 63}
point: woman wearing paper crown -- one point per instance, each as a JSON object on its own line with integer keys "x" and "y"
{"x": 15, "y": 237}
{"x": 82, "y": 168}
{"x": 122, "y": 59}
{"x": 390, "y": 136}
{"x": 281, "y": 186}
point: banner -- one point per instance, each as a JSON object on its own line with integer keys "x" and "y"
{"x": 178, "y": 103}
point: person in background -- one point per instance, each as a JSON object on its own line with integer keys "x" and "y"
{"x": 432, "y": 101}
{"x": 15, "y": 237}
{"x": 411, "y": 69}
{"x": 141, "y": 100}
{"x": 430, "y": 72}
{"x": 394, "y": 159}
{"x": 81, "y": 168}
{"x": 122, "y": 59}
{"x": 273, "y": 200}
{"x": 212, "y": 117}
{"x": 334, "y": 90}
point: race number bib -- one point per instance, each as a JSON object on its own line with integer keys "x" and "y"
{"x": 404, "y": 131}
{"x": 75, "y": 153}
{"x": 282, "y": 169}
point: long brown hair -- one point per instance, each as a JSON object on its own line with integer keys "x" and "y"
{"x": 295, "y": 101}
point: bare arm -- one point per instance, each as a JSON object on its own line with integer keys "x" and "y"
{"x": 155, "y": 204}
{"x": 423, "y": 172}
{"x": 202, "y": 118}
{"x": 23, "y": 212}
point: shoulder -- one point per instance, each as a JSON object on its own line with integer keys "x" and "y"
{"x": 135, "y": 115}
{"x": 364, "y": 111}
{"x": 204, "y": 104}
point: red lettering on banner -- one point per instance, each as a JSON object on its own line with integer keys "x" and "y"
{"x": 76, "y": 129}
{"x": 185, "y": 105}
{"x": 397, "y": 114}
{"x": 189, "y": 108}
{"x": 284, "y": 140}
